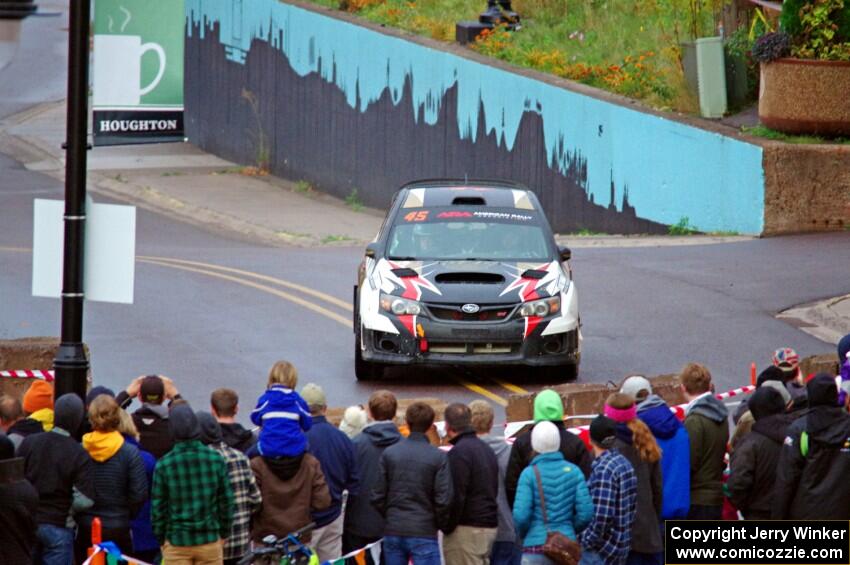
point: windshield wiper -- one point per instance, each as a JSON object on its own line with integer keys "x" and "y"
{"x": 402, "y": 258}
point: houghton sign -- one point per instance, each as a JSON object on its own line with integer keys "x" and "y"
{"x": 138, "y": 71}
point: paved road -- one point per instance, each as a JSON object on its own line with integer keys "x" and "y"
{"x": 213, "y": 311}
{"x": 39, "y": 67}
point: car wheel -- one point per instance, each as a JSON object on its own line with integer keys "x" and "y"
{"x": 364, "y": 370}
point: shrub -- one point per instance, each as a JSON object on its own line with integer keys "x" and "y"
{"x": 771, "y": 46}
{"x": 789, "y": 20}
{"x": 819, "y": 36}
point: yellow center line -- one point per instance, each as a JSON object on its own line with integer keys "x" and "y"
{"x": 284, "y": 283}
{"x": 483, "y": 392}
{"x": 210, "y": 271}
{"x": 261, "y": 287}
{"x": 509, "y": 386}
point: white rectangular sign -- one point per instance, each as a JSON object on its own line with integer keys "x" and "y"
{"x": 110, "y": 253}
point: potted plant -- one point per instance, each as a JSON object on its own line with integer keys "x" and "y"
{"x": 805, "y": 69}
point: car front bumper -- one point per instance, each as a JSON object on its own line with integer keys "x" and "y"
{"x": 494, "y": 344}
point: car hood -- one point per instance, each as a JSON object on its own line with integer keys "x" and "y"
{"x": 477, "y": 282}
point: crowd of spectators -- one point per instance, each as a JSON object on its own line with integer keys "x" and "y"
{"x": 184, "y": 486}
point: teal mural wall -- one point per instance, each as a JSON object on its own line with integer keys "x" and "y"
{"x": 662, "y": 169}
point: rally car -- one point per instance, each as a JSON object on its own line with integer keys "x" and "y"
{"x": 466, "y": 273}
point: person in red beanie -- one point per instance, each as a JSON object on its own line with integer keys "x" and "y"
{"x": 38, "y": 403}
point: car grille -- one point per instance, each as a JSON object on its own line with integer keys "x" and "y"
{"x": 473, "y": 348}
{"x": 453, "y": 312}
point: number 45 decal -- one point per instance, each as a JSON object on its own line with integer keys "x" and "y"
{"x": 420, "y": 216}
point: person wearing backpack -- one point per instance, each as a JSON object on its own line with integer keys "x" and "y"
{"x": 811, "y": 478}
{"x": 551, "y": 496}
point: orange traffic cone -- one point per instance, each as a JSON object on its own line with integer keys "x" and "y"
{"x": 96, "y": 538}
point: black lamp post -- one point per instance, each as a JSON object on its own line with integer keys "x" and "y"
{"x": 71, "y": 363}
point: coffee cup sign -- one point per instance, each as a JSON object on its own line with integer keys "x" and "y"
{"x": 118, "y": 69}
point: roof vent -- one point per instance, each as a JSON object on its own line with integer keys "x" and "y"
{"x": 468, "y": 201}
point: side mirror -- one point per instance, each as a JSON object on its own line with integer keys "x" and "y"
{"x": 565, "y": 253}
{"x": 371, "y": 249}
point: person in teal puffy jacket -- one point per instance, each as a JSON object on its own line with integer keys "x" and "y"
{"x": 569, "y": 507}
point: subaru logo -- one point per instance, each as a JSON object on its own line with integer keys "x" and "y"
{"x": 470, "y": 308}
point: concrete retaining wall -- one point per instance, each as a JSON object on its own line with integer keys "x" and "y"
{"x": 27, "y": 353}
{"x": 807, "y": 188}
{"x": 349, "y": 105}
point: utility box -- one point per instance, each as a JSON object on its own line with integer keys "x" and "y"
{"x": 711, "y": 77}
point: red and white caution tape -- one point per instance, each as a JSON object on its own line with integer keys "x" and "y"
{"x": 511, "y": 428}
{"x": 25, "y": 374}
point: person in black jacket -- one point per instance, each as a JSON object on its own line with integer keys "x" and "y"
{"x": 413, "y": 493}
{"x": 811, "y": 478}
{"x": 753, "y": 463}
{"x": 363, "y": 524}
{"x": 151, "y": 418}
{"x": 56, "y": 465}
{"x": 121, "y": 483}
{"x": 637, "y": 444}
{"x": 547, "y": 407}
{"x": 474, "y": 518}
{"x": 17, "y": 509}
{"x": 224, "y": 405}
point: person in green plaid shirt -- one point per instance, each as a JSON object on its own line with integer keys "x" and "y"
{"x": 191, "y": 499}
{"x": 246, "y": 493}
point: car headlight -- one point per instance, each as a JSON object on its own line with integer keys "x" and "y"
{"x": 541, "y": 308}
{"x": 400, "y": 306}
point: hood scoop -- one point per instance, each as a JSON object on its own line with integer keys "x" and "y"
{"x": 469, "y": 278}
{"x": 405, "y": 273}
{"x": 536, "y": 274}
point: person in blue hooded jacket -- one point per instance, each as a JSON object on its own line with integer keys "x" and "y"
{"x": 569, "y": 507}
{"x": 672, "y": 438}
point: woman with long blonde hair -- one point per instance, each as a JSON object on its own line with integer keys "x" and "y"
{"x": 636, "y": 442}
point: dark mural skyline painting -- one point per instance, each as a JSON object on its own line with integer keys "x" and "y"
{"x": 356, "y": 115}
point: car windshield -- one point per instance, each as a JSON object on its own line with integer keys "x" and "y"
{"x": 468, "y": 239}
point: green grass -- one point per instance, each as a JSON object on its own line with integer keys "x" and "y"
{"x": 303, "y": 187}
{"x": 597, "y": 42}
{"x": 353, "y": 200}
{"x": 333, "y": 238}
{"x": 724, "y": 233}
{"x": 173, "y": 174}
{"x": 682, "y": 227}
{"x": 587, "y": 232}
{"x": 767, "y": 133}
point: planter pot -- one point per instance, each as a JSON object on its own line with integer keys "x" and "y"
{"x": 705, "y": 72}
{"x": 801, "y": 96}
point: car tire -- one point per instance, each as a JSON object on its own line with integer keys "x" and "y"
{"x": 364, "y": 370}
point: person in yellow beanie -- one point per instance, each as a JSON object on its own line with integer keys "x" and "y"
{"x": 38, "y": 403}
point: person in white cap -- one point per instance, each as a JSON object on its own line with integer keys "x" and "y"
{"x": 672, "y": 438}
{"x": 569, "y": 508}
